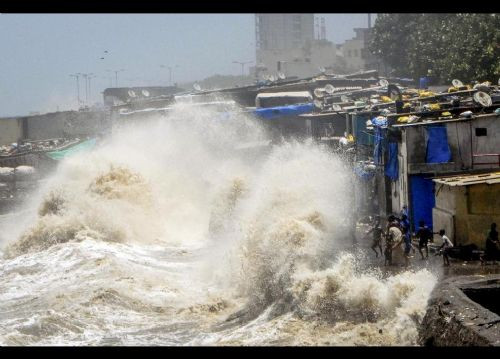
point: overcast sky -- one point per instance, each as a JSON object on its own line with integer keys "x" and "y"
{"x": 40, "y": 51}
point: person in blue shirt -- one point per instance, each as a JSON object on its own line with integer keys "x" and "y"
{"x": 405, "y": 228}
{"x": 404, "y": 211}
{"x": 405, "y": 225}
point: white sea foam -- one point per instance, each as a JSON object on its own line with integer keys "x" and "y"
{"x": 168, "y": 235}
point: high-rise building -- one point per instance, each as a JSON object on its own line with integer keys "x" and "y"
{"x": 287, "y": 43}
{"x": 283, "y": 31}
{"x": 296, "y": 45}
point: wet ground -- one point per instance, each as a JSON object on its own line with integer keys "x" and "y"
{"x": 434, "y": 263}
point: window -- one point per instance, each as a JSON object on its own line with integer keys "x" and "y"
{"x": 481, "y": 131}
{"x": 356, "y": 53}
{"x": 349, "y": 53}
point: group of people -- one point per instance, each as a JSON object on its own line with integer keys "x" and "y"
{"x": 398, "y": 233}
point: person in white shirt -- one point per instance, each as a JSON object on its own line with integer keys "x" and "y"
{"x": 394, "y": 235}
{"x": 446, "y": 247}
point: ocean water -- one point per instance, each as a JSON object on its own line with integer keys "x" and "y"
{"x": 169, "y": 233}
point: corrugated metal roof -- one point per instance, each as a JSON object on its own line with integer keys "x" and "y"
{"x": 467, "y": 180}
{"x": 306, "y": 94}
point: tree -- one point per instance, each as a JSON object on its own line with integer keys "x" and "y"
{"x": 464, "y": 46}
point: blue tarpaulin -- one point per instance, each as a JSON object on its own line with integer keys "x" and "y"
{"x": 283, "y": 111}
{"x": 438, "y": 150}
{"x": 391, "y": 168}
{"x": 422, "y": 198}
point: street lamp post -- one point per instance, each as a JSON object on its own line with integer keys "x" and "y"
{"x": 169, "y": 72}
{"x": 77, "y": 77}
{"x": 90, "y": 76}
{"x": 116, "y": 75}
{"x": 85, "y": 76}
{"x": 242, "y": 65}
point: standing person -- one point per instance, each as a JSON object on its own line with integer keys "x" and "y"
{"x": 394, "y": 235}
{"x": 404, "y": 212}
{"x": 447, "y": 245}
{"x": 407, "y": 247}
{"x": 377, "y": 236}
{"x": 493, "y": 232}
{"x": 424, "y": 235}
{"x": 405, "y": 239}
{"x": 491, "y": 250}
{"x": 405, "y": 228}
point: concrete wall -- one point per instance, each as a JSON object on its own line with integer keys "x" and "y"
{"x": 488, "y": 143}
{"x": 54, "y": 125}
{"x": 466, "y": 212}
{"x": 454, "y": 319}
{"x": 483, "y": 206}
{"x": 66, "y": 124}
{"x": 445, "y": 209}
{"x": 11, "y": 130}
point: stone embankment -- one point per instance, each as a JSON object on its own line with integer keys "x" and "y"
{"x": 463, "y": 311}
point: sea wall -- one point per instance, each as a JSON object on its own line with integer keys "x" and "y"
{"x": 64, "y": 124}
{"x": 454, "y": 319}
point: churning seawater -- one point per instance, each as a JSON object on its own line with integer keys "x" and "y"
{"x": 170, "y": 234}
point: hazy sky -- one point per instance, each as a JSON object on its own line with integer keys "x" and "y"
{"x": 40, "y": 51}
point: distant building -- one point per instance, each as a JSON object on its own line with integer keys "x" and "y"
{"x": 287, "y": 43}
{"x": 283, "y": 31}
{"x": 357, "y": 54}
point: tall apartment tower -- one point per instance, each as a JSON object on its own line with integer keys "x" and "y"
{"x": 283, "y": 31}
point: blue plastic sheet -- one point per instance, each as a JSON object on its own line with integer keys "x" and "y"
{"x": 438, "y": 150}
{"x": 283, "y": 111}
{"x": 423, "y": 200}
{"x": 391, "y": 168}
